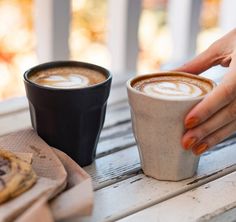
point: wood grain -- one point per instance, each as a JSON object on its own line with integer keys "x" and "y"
{"x": 214, "y": 201}
{"x": 138, "y": 192}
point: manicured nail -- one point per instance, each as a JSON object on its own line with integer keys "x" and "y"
{"x": 190, "y": 123}
{"x": 200, "y": 149}
{"x": 190, "y": 142}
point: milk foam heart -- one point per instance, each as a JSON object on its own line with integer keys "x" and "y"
{"x": 173, "y": 87}
{"x": 67, "y": 77}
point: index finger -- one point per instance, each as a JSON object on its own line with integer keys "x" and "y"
{"x": 200, "y": 63}
{"x": 221, "y": 96}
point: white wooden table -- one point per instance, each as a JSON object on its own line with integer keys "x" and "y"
{"x": 123, "y": 193}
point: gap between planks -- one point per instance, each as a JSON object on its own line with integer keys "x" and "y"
{"x": 136, "y": 193}
{"x": 213, "y": 201}
{"x": 115, "y": 139}
{"x": 125, "y": 163}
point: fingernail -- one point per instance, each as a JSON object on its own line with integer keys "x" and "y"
{"x": 200, "y": 149}
{"x": 190, "y": 142}
{"x": 191, "y": 122}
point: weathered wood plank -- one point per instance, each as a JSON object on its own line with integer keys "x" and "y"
{"x": 118, "y": 90}
{"x": 139, "y": 192}
{"x": 117, "y": 113}
{"x": 115, "y": 138}
{"x": 214, "y": 201}
{"x": 226, "y": 213}
{"x": 116, "y": 130}
{"x": 17, "y": 121}
{"x": 114, "y": 167}
{"x": 227, "y": 142}
{"x": 13, "y": 106}
{"x": 107, "y": 170}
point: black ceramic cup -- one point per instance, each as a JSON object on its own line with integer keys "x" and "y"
{"x": 69, "y": 119}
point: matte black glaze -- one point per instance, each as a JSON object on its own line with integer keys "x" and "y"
{"x": 69, "y": 119}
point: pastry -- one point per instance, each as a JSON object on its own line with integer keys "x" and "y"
{"x": 16, "y": 175}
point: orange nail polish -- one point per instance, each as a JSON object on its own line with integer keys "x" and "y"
{"x": 200, "y": 149}
{"x": 190, "y": 142}
{"x": 190, "y": 123}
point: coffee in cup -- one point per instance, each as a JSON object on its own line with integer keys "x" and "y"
{"x": 67, "y": 77}
{"x": 67, "y": 101}
{"x": 173, "y": 87}
{"x": 159, "y": 103}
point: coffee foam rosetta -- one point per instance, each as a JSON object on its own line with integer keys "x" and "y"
{"x": 173, "y": 87}
{"x": 67, "y": 81}
{"x": 67, "y": 77}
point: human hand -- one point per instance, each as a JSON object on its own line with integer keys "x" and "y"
{"x": 214, "y": 118}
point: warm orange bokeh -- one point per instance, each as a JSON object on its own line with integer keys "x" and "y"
{"x": 88, "y": 37}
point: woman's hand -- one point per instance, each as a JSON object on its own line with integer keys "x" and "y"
{"x": 214, "y": 118}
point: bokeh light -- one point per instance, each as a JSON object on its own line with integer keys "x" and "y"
{"x": 88, "y": 33}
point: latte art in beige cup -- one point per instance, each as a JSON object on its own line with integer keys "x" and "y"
{"x": 159, "y": 103}
{"x": 173, "y": 87}
{"x": 67, "y": 77}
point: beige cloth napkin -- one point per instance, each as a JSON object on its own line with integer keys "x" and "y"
{"x": 54, "y": 169}
{"x": 77, "y": 200}
{"x": 39, "y": 211}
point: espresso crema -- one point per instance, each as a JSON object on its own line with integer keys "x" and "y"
{"x": 67, "y": 77}
{"x": 173, "y": 86}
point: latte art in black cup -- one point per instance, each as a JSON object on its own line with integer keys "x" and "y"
{"x": 67, "y": 101}
{"x": 173, "y": 86}
{"x": 67, "y": 77}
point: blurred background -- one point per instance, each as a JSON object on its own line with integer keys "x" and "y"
{"x": 88, "y": 33}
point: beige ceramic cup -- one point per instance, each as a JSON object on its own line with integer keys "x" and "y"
{"x": 158, "y": 128}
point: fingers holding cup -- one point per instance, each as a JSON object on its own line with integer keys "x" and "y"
{"x": 214, "y": 138}
{"x": 223, "y": 117}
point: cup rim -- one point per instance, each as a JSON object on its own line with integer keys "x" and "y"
{"x": 129, "y": 85}
{"x": 65, "y": 63}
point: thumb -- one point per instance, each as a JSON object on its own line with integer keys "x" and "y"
{"x": 201, "y": 63}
